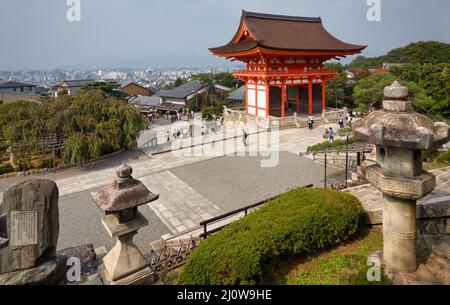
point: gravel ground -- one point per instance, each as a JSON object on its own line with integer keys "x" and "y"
{"x": 80, "y": 222}
{"x": 234, "y": 182}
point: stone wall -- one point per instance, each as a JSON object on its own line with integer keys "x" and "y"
{"x": 232, "y": 118}
{"x": 335, "y": 159}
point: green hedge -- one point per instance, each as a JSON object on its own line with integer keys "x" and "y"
{"x": 339, "y": 144}
{"x": 301, "y": 221}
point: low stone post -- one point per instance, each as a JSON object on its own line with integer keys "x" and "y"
{"x": 124, "y": 264}
{"x": 400, "y": 134}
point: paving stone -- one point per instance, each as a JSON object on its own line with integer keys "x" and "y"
{"x": 181, "y": 228}
{"x": 174, "y": 221}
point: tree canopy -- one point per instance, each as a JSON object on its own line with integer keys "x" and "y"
{"x": 224, "y": 78}
{"x": 421, "y": 52}
{"x": 91, "y": 122}
{"x": 368, "y": 94}
{"x": 110, "y": 89}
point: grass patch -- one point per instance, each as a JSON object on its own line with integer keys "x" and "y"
{"x": 443, "y": 160}
{"x": 338, "y": 145}
{"x": 170, "y": 277}
{"x": 345, "y": 264}
{"x": 344, "y": 130}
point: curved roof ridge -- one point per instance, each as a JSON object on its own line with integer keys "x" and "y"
{"x": 246, "y": 14}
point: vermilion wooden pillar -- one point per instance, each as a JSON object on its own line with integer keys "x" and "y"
{"x": 310, "y": 108}
{"x": 267, "y": 99}
{"x": 323, "y": 94}
{"x": 256, "y": 97}
{"x": 246, "y": 96}
{"x": 283, "y": 101}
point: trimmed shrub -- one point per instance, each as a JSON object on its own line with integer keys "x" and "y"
{"x": 301, "y": 221}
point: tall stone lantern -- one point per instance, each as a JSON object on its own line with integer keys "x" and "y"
{"x": 124, "y": 264}
{"x": 400, "y": 135}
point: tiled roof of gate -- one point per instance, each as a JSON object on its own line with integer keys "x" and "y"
{"x": 279, "y": 32}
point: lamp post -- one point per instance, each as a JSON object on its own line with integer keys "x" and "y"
{"x": 119, "y": 201}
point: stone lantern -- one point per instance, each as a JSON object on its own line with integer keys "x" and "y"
{"x": 400, "y": 135}
{"x": 124, "y": 264}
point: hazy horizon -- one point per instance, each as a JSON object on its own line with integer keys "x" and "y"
{"x": 36, "y": 34}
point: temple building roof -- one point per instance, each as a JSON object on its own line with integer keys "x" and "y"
{"x": 284, "y": 33}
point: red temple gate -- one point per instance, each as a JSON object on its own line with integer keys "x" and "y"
{"x": 284, "y": 57}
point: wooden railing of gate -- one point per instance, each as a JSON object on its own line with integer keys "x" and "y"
{"x": 245, "y": 209}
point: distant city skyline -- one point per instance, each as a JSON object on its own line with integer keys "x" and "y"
{"x": 177, "y": 33}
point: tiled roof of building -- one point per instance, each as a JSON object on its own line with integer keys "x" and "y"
{"x": 13, "y": 84}
{"x": 78, "y": 82}
{"x": 146, "y": 101}
{"x": 184, "y": 90}
{"x": 238, "y": 94}
{"x": 220, "y": 87}
{"x": 165, "y": 106}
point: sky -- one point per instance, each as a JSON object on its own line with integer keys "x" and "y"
{"x": 35, "y": 34}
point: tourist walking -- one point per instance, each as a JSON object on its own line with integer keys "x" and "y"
{"x": 311, "y": 122}
{"x": 331, "y": 134}
{"x": 350, "y": 119}
{"x": 244, "y": 137}
{"x": 341, "y": 120}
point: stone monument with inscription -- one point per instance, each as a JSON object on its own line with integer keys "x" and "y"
{"x": 29, "y": 227}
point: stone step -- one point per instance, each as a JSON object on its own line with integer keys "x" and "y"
{"x": 442, "y": 249}
{"x": 424, "y": 276}
{"x": 439, "y": 266}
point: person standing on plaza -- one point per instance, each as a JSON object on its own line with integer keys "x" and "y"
{"x": 244, "y": 137}
{"x": 350, "y": 119}
{"x": 311, "y": 122}
{"x": 331, "y": 134}
{"x": 341, "y": 121}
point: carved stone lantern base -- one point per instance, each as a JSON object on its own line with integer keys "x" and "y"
{"x": 125, "y": 264}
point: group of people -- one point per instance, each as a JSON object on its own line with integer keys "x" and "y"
{"x": 173, "y": 117}
{"x": 182, "y": 133}
{"x": 349, "y": 118}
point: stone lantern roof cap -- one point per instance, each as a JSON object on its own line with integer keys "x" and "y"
{"x": 398, "y": 125}
{"x": 125, "y": 193}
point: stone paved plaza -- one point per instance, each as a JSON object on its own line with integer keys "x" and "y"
{"x": 192, "y": 188}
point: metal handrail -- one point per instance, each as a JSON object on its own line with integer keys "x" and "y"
{"x": 234, "y": 212}
{"x": 154, "y": 139}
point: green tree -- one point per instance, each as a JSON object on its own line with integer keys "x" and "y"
{"x": 109, "y": 89}
{"x": 338, "y": 89}
{"x": 415, "y": 53}
{"x": 434, "y": 81}
{"x": 179, "y": 81}
{"x": 93, "y": 123}
{"x": 368, "y": 93}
